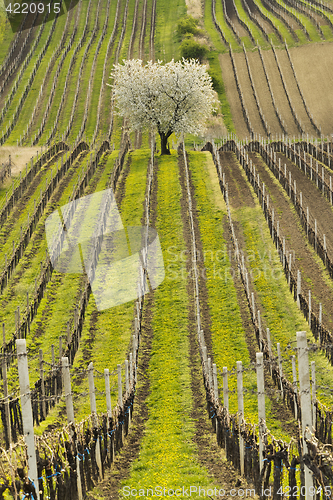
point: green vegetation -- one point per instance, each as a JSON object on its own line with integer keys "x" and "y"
{"x": 32, "y": 97}
{"x": 281, "y": 313}
{"x": 168, "y": 455}
{"x": 305, "y": 21}
{"x": 29, "y": 266}
{"x": 256, "y": 33}
{"x": 229, "y": 341}
{"x": 215, "y": 74}
{"x": 167, "y": 15}
{"x": 190, "y": 49}
{"x": 286, "y": 35}
{"x": 187, "y": 25}
{"x": 213, "y": 33}
{"x": 7, "y": 31}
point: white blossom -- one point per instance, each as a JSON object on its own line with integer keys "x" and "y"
{"x": 174, "y": 97}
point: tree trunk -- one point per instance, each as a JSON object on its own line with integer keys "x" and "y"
{"x": 164, "y": 143}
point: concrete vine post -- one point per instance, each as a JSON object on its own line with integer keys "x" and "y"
{"x": 28, "y": 424}
{"x": 306, "y": 407}
{"x": 261, "y": 405}
{"x": 93, "y": 409}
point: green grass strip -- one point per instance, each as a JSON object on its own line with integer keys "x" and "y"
{"x": 29, "y": 265}
{"x": 168, "y": 456}
{"x": 114, "y": 326}
{"x": 166, "y": 41}
{"x": 213, "y": 33}
{"x": 281, "y": 27}
{"x": 305, "y": 21}
{"x": 281, "y": 313}
{"x": 228, "y": 336}
{"x": 256, "y": 32}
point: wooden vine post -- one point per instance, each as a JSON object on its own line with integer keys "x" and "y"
{"x": 28, "y": 423}
{"x": 240, "y": 413}
{"x": 5, "y": 394}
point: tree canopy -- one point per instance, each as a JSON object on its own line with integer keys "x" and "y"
{"x": 173, "y": 97}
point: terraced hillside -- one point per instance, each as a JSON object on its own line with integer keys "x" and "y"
{"x": 195, "y": 383}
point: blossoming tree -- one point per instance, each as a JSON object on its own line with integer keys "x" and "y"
{"x": 173, "y": 97}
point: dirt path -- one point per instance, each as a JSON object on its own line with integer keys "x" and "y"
{"x": 293, "y": 92}
{"x": 232, "y": 96}
{"x": 279, "y": 93}
{"x": 263, "y": 93}
{"x": 312, "y": 275}
{"x": 315, "y": 76}
{"x": 249, "y": 99}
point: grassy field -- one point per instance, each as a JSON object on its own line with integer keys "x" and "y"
{"x": 166, "y": 451}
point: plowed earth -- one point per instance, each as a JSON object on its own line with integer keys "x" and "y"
{"x": 315, "y": 76}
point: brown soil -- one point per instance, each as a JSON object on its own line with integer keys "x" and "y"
{"x": 289, "y": 20}
{"x": 319, "y": 206}
{"x": 233, "y": 16}
{"x": 315, "y": 76}
{"x": 262, "y": 21}
{"x": 293, "y": 92}
{"x": 278, "y": 92}
{"x": 249, "y": 99}
{"x": 296, "y": 240}
{"x": 263, "y": 93}
{"x": 232, "y": 96}
{"x": 20, "y": 156}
